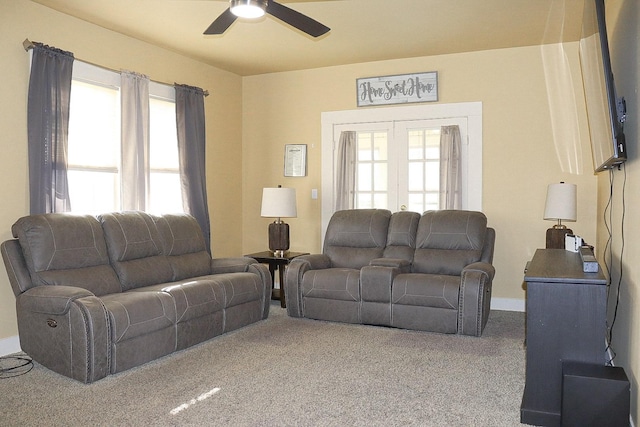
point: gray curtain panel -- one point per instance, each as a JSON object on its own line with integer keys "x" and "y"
{"x": 191, "y": 150}
{"x": 48, "y": 129}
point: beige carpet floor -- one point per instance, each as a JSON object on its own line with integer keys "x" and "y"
{"x": 296, "y": 372}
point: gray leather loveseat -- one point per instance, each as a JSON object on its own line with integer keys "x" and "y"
{"x": 428, "y": 272}
{"x": 97, "y": 296}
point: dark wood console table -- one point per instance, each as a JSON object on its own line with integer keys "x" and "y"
{"x": 566, "y": 321}
{"x": 276, "y": 263}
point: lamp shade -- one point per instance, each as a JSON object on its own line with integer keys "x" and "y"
{"x": 561, "y": 202}
{"x": 279, "y": 203}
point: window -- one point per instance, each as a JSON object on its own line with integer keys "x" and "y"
{"x": 94, "y": 151}
{"x": 398, "y": 155}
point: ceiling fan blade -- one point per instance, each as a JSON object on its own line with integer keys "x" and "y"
{"x": 296, "y": 19}
{"x": 221, "y": 23}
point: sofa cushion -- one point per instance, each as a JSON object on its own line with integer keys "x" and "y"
{"x": 332, "y": 283}
{"x": 66, "y": 249}
{"x": 426, "y": 290}
{"x": 135, "y": 249}
{"x": 184, "y": 245}
{"x": 401, "y": 240}
{"x": 142, "y": 327}
{"x": 355, "y": 237}
{"x": 448, "y": 240}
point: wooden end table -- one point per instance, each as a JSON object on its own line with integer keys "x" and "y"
{"x": 276, "y": 263}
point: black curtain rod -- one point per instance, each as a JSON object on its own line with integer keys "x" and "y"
{"x": 28, "y": 44}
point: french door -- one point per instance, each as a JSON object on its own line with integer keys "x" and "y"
{"x": 398, "y": 162}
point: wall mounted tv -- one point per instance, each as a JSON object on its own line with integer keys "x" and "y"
{"x": 605, "y": 112}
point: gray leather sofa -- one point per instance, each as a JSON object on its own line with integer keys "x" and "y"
{"x": 97, "y": 296}
{"x": 430, "y": 272}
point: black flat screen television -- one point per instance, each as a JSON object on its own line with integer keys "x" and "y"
{"x": 605, "y": 112}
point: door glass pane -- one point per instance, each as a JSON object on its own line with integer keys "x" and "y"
{"x": 363, "y": 201}
{"x": 416, "y": 176}
{"x": 380, "y": 201}
{"x": 432, "y": 201}
{"x": 415, "y": 145}
{"x": 432, "y": 176}
{"x": 416, "y": 203}
{"x": 365, "y": 146}
{"x": 364, "y": 177}
{"x": 380, "y": 146}
{"x": 380, "y": 177}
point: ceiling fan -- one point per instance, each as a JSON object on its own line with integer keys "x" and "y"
{"x": 256, "y": 8}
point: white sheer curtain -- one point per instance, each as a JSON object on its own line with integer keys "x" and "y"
{"x": 134, "y": 97}
{"x": 346, "y": 171}
{"x": 450, "y": 168}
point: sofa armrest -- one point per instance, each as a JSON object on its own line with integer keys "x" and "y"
{"x": 250, "y": 265}
{"x": 231, "y": 265}
{"x": 70, "y": 320}
{"x": 16, "y": 266}
{"x": 475, "y": 298}
{"x": 55, "y": 300}
{"x": 402, "y": 264}
{"x": 293, "y": 279}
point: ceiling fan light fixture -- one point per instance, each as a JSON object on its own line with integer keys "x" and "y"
{"x": 250, "y": 9}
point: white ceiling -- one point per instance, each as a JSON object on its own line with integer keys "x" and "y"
{"x": 361, "y": 30}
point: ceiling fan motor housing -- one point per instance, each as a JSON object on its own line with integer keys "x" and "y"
{"x": 248, "y": 8}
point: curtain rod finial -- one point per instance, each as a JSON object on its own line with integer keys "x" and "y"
{"x": 27, "y": 44}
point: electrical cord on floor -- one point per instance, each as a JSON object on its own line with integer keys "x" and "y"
{"x": 14, "y": 366}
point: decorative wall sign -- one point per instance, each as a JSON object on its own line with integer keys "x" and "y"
{"x": 295, "y": 160}
{"x": 398, "y": 89}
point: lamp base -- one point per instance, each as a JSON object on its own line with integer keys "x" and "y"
{"x": 278, "y": 238}
{"x": 556, "y": 236}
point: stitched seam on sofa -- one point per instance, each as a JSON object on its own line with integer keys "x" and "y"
{"x": 55, "y": 243}
{"x": 89, "y": 338}
{"x": 481, "y": 297}
{"x": 173, "y": 238}
{"x": 175, "y": 304}
{"x": 224, "y": 308}
{"x": 105, "y": 313}
{"x": 442, "y": 297}
{"x": 55, "y": 246}
{"x": 463, "y": 286}
{"x": 143, "y": 322}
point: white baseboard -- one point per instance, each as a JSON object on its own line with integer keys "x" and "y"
{"x": 9, "y": 346}
{"x": 508, "y": 304}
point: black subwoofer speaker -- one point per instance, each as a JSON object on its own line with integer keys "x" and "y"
{"x": 594, "y": 395}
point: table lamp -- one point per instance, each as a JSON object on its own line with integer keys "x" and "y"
{"x": 279, "y": 203}
{"x": 560, "y": 206}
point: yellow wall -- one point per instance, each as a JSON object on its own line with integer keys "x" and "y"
{"x": 519, "y": 151}
{"x": 623, "y": 17}
{"x": 524, "y": 151}
{"x": 21, "y": 19}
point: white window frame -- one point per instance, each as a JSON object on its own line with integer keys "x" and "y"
{"x": 94, "y": 74}
{"x": 471, "y": 111}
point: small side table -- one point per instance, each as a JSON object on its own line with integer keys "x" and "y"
{"x": 276, "y": 263}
